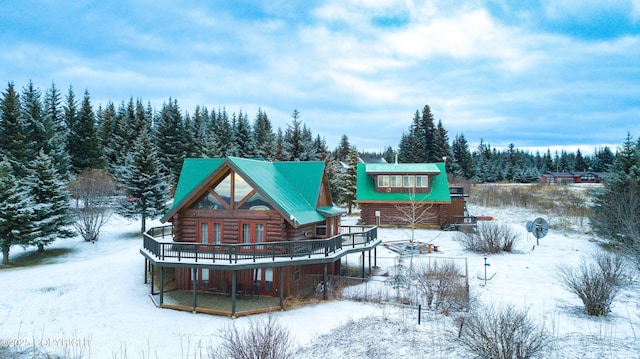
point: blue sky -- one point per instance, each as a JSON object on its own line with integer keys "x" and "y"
{"x": 539, "y": 74}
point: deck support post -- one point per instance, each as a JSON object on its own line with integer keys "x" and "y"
{"x": 326, "y": 282}
{"x": 281, "y": 287}
{"x": 195, "y": 289}
{"x": 152, "y": 275}
{"x": 375, "y": 257}
{"x": 161, "y": 285}
{"x": 233, "y": 293}
{"x": 369, "y": 263}
{"x": 363, "y": 272}
{"x": 146, "y": 269}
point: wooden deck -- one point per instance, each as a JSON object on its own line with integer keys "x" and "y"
{"x": 160, "y": 248}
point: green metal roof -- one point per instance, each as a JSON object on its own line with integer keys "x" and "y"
{"x": 293, "y": 187}
{"x": 366, "y": 186}
{"x": 430, "y": 168}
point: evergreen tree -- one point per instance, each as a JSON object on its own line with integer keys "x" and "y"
{"x": 50, "y": 218}
{"x": 264, "y": 136}
{"x": 297, "y": 144}
{"x": 57, "y": 132}
{"x": 603, "y": 159}
{"x": 15, "y": 211}
{"x": 335, "y": 174}
{"x": 342, "y": 152}
{"x": 170, "y": 140}
{"x": 430, "y": 154}
{"x": 321, "y": 152}
{"x": 146, "y": 190}
{"x": 280, "y": 153}
{"x": 14, "y": 140}
{"x": 199, "y": 129}
{"x": 349, "y": 180}
{"x": 615, "y": 214}
{"x": 33, "y": 119}
{"x": 84, "y": 146}
{"x": 109, "y": 135}
{"x": 462, "y": 163}
{"x": 441, "y": 147}
{"x": 245, "y": 145}
{"x": 412, "y": 147}
{"x": 580, "y": 163}
{"x": 389, "y": 155}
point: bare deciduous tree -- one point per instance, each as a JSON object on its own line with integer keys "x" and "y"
{"x": 92, "y": 190}
{"x": 416, "y": 211}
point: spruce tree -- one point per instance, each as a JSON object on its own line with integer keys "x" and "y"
{"x": 264, "y": 136}
{"x": 84, "y": 146}
{"x": 145, "y": 187}
{"x": 15, "y": 211}
{"x": 349, "y": 180}
{"x": 14, "y": 140}
{"x": 428, "y": 129}
{"x": 51, "y": 217}
{"x": 297, "y": 142}
{"x": 33, "y": 118}
{"x": 462, "y": 162}
{"x": 245, "y": 145}
{"x": 57, "y": 131}
{"x": 169, "y": 140}
{"x": 342, "y": 152}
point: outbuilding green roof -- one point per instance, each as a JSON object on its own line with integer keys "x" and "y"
{"x": 401, "y": 168}
{"x": 293, "y": 187}
{"x": 439, "y": 185}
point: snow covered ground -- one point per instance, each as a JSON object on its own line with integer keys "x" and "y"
{"x": 92, "y": 302}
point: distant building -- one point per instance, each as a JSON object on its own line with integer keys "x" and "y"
{"x": 572, "y": 177}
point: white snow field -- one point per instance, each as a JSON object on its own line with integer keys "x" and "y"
{"x": 92, "y": 303}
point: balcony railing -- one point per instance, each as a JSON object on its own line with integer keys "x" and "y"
{"x": 159, "y": 242}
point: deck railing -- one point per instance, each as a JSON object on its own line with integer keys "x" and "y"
{"x": 159, "y": 242}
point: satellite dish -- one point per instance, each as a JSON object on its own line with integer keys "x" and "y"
{"x": 539, "y": 228}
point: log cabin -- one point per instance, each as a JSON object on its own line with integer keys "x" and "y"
{"x": 252, "y": 227}
{"x": 401, "y": 193}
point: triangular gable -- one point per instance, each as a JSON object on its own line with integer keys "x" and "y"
{"x": 292, "y": 187}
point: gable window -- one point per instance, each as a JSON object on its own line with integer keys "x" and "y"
{"x": 422, "y": 181}
{"x": 383, "y": 181}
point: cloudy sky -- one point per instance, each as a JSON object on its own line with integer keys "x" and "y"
{"x": 539, "y": 74}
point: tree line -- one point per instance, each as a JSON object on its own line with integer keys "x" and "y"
{"x": 53, "y": 144}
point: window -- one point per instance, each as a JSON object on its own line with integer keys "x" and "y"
{"x": 209, "y": 232}
{"x": 383, "y": 181}
{"x": 422, "y": 181}
{"x": 296, "y": 273}
{"x": 252, "y": 233}
{"x": 256, "y": 203}
{"x": 321, "y": 231}
{"x": 240, "y": 189}
{"x": 395, "y": 181}
{"x": 409, "y": 181}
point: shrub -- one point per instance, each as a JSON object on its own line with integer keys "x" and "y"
{"x": 490, "y": 237}
{"x": 502, "y": 333}
{"x": 597, "y": 282}
{"x": 441, "y": 284}
{"x": 261, "y": 340}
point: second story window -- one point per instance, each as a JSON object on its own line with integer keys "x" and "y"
{"x": 422, "y": 181}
